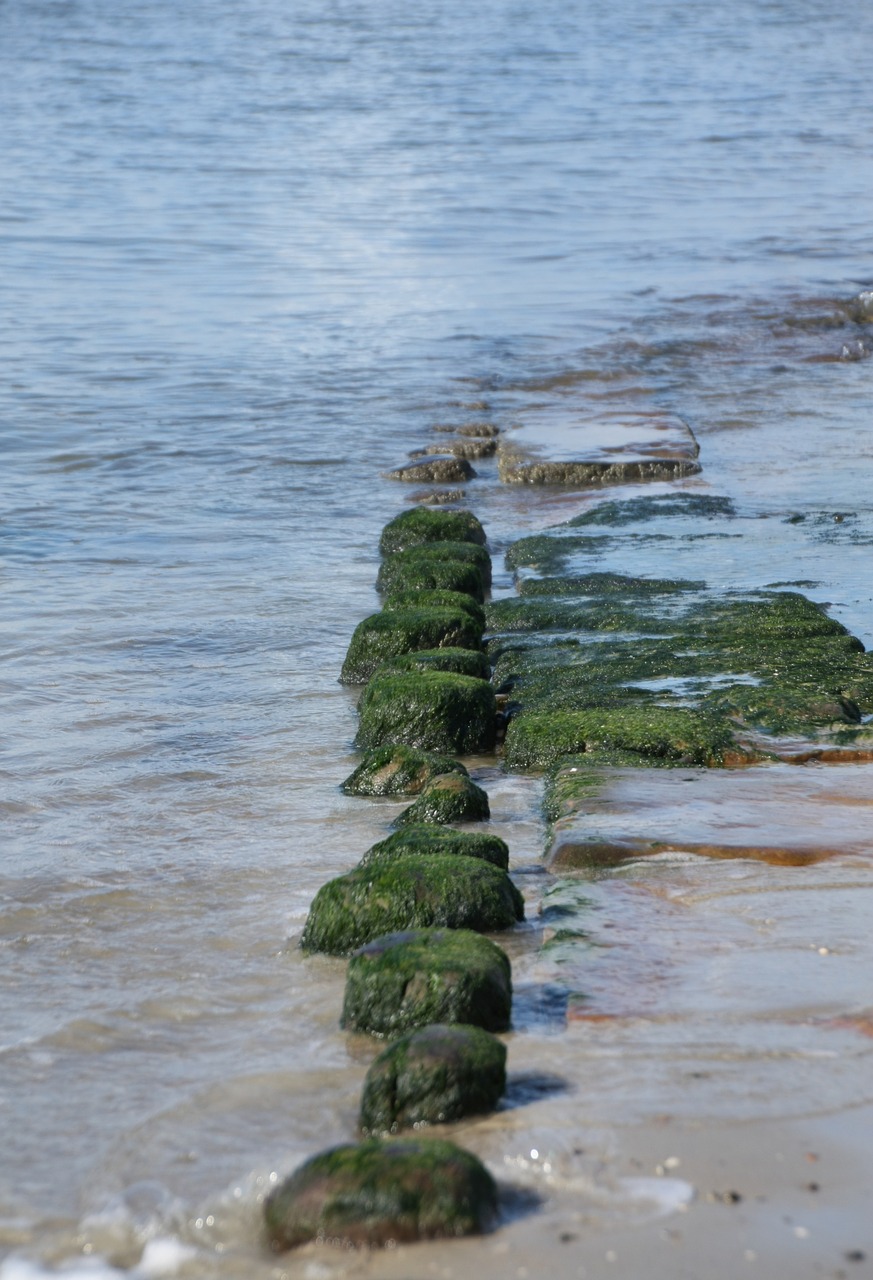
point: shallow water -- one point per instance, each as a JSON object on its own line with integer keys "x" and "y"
{"x": 252, "y": 253}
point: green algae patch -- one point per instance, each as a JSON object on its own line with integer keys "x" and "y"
{"x": 387, "y": 635}
{"x": 419, "y": 525}
{"x": 549, "y": 552}
{"x": 434, "y": 1075}
{"x": 514, "y": 614}
{"x": 464, "y": 662}
{"x": 434, "y": 710}
{"x": 437, "y": 566}
{"x": 696, "y": 506}
{"x": 423, "y": 839}
{"x": 396, "y": 770}
{"x": 411, "y": 979}
{"x": 381, "y": 1193}
{"x": 536, "y": 740}
{"x": 410, "y": 893}
{"x": 427, "y": 599}
{"x": 610, "y": 584}
{"x": 449, "y": 798}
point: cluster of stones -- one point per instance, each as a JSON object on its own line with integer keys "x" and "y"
{"x": 448, "y": 460}
{"x": 411, "y": 915}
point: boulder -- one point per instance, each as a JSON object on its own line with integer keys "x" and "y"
{"x": 396, "y": 770}
{"x": 446, "y": 470}
{"x": 434, "y": 710}
{"x": 384, "y": 636}
{"x": 450, "y": 797}
{"x": 420, "y": 840}
{"x": 417, "y": 526}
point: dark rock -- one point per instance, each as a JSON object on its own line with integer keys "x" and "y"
{"x": 485, "y": 430}
{"x": 408, "y": 980}
{"x": 449, "y": 798}
{"x": 418, "y": 526}
{"x": 387, "y": 635}
{"x": 433, "y": 1076}
{"x": 396, "y": 770}
{"x": 425, "y": 839}
{"x": 435, "y": 471}
{"x": 438, "y": 497}
{"x": 434, "y": 710}
{"x": 410, "y": 893}
{"x": 378, "y": 1193}
{"x": 469, "y": 448}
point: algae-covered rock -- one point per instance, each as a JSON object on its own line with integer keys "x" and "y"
{"x": 449, "y": 798}
{"x": 437, "y": 566}
{"x": 435, "y": 710}
{"x": 421, "y": 840}
{"x": 378, "y": 1193}
{"x": 465, "y": 662}
{"x": 535, "y": 740}
{"x": 396, "y": 770}
{"x": 462, "y": 448}
{"x": 434, "y": 1075}
{"x": 436, "y": 599}
{"x": 418, "y": 526}
{"x": 407, "y": 980}
{"x": 446, "y": 470}
{"x": 410, "y": 893}
{"x": 383, "y": 636}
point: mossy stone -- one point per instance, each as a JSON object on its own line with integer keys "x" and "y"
{"x": 424, "y": 839}
{"x": 535, "y": 740}
{"x": 464, "y": 662}
{"x": 407, "y": 980}
{"x": 446, "y": 470}
{"x": 410, "y": 893}
{"x": 434, "y": 710}
{"x": 434, "y": 1075}
{"x": 435, "y": 599}
{"x": 384, "y": 636}
{"x": 381, "y": 1193}
{"x": 447, "y": 798}
{"x": 450, "y": 566}
{"x": 396, "y": 770}
{"x": 419, "y": 525}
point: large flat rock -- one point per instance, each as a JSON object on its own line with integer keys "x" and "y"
{"x": 612, "y": 448}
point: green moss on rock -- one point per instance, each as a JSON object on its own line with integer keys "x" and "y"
{"x": 396, "y": 770}
{"x": 421, "y": 840}
{"x": 411, "y": 979}
{"x": 419, "y": 525}
{"x": 535, "y": 740}
{"x": 384, "y": 636}
{"x": 410, "y": 893}
{"x": 377, "y": 1193}
{"x": 449, "y": 798}
{"x": 434, "y": 710}
{"x": 440, "y": 566}
{"x": 464, "y": 662}
{"x": 606, "y": 584}
{"x": 427, "y": 599}
{"x": 434, "y": 1075}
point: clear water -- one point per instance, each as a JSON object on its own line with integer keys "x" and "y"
{"x": 251, "y": 253}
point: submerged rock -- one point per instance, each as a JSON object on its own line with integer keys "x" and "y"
{"x": 418, "y": 526}
{"x": 447, "y": 798}
{"x": 395, "y": 770}
{"x": 446, "y": 470}
{"x": 387, "y": 635}
{"x": 408, "y": 980}
{"x": 438, "y": 497}
{"x": 378, "y": 1193}
{"x": 434, "y": 1075}
{"x": 446, "y": 565}
{"x": 410, "y": 893}
{"x": 466, "y": 448}
{"x": 435, "y": 710}
{"x": 423, "y": 839}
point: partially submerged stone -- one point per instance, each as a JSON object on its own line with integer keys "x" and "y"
{"x": 434, "y": 1075}
{"x": 381, "y": 1193}
{"x": 445, "y": 470}
{"x": 464, "y": 662}
{"x": 468, "y": 448}
{"x": 410, "y": 893}
{"x": 395, "y": 770}
{"x": 435, "y": 710}
{"x": 484, "y": 430}
{"x": 611, "y": 449}
{"x": 387, "y": 635}
{"x": 418, "y": 526}
{"x": 673, "y": 734}
{"x": 419, "y": 598}
{"x": 411, "y": 979}
{"x": 449, "y": 798}
{"x": 448, "y": 566}
{"x": 424, "y": 839}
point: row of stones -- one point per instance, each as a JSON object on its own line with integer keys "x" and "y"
{"x": 411, "y": 915}
{"x": 448, "y": 461}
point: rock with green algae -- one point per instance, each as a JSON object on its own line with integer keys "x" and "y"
{"x": 443, "y": 470}
{"x": 382, "y": 1193}
{"x": 447, "y": 798}
{"x": 434, "y": 1075}
{"x": 434, "y": 710}
{"x": 424, "y": 839}
{"x": 417, "y": 526}
{"x": 464, "y": 662}
{"x": 397, "y": 770}
{"x": 410, "y": 893}
{"x": 384, "y": 636}
{"x": 410, "y": 979}
{"x": 436, "y": 599}
{"x": 437, "y": 566}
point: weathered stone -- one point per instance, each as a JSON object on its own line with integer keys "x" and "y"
{"x": 447, "y": 470}
{"x": 449, "y": 798}
{"x": 434, "y": 1075}
{"x": 652, "y": 732}
{"x": 612, "y": 449}
{"x": 464, "y": 662}
{"x": 421, "y": 840}
{"x": 438, "y": 497}
{"x": 410, "y": 893}
{"x": 469, "y": 448}
{"x": 407, "y": 980}
{"x": 435, "y": 599}
{"x": 418, "y": 526}
{"x": 435, "y": 710}
{"x": 381, "y": 1193}
{"x": 486, "y": 430}
{"x": 395, "y": 770}
{"x": 437, "y": 566}
{"x": 387, "y": 635}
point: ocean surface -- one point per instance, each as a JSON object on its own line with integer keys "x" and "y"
{"x": 250, "y": 254}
